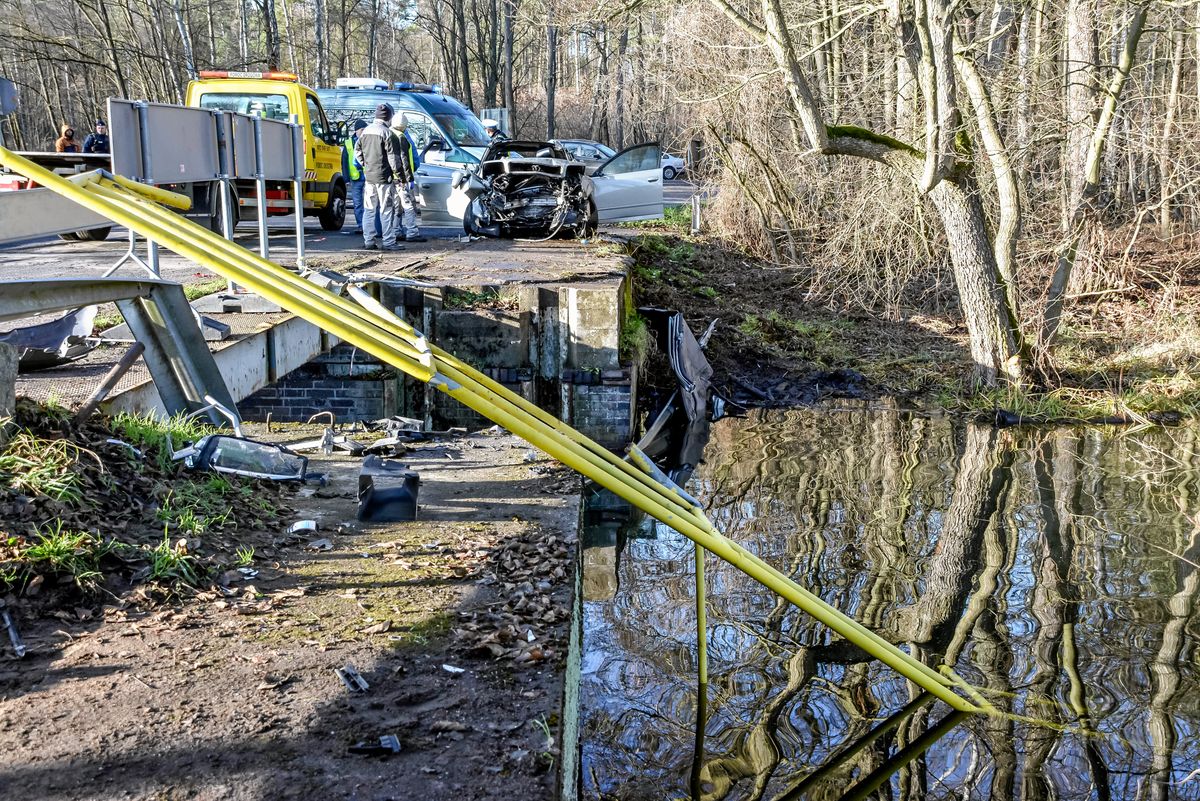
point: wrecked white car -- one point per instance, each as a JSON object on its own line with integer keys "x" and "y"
{"x": 533, "y": 190}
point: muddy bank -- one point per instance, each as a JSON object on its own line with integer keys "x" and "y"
{"x": 457, "y": 623}
{"x": 774, "y": 348}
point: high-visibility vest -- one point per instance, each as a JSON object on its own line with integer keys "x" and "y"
{"x": 355, "y": 172}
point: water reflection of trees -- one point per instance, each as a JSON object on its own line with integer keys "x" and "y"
{"x": 1054, "y": 569}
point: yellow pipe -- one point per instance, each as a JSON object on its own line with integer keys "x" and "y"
{"x": 249, "y": 266}
{"x": 682, "y": 515}
{"x": 245, "y": 267}
{"x": 544, "y": 436}
{"x": 733, "y": 553}
{"x": 701, "y": 618}
{"x": 156, "y": 193}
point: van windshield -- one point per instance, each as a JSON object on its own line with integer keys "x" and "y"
{"x": 271, "y": 107}
{"x": 465, "y": 129}
{"x": 462, "y": 127}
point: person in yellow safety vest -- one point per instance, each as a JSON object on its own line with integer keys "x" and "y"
{"x": 354, "y": 174}
{"x": 406, "y": 186}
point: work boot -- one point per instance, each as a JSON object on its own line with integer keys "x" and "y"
{"x": 392, "y": 247}
{"x": 371, "y": 245}
{"x": 417, "y": 238}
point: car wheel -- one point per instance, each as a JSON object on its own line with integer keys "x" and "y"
{"x": 669, "y": 173}
{"x": 333, "y": 216}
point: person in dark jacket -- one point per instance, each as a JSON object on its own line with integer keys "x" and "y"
{"x": 97, "y": 141}
{"x": 379, "y": 154}
{"x": 66, "y": 142}
{"x": 406, "y": 187}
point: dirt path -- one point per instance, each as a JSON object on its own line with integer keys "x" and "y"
{"x": 233, "y": 695}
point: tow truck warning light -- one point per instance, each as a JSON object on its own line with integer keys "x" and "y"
{"x": 262, "y": 76}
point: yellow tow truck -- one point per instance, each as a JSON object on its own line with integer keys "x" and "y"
{"x": 277, "y": 96}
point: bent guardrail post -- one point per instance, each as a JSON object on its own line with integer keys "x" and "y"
{"x": 387, "y": 337}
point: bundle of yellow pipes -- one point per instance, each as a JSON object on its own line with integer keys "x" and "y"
{"x": 374, "y": 329}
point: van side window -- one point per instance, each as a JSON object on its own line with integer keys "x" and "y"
{"x": 420, "y": 127}
{"x": 316, "y": 119}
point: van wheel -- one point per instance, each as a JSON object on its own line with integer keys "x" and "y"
{"x": 333, "y": 216}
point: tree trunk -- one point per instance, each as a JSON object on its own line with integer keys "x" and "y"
{"x": 551, "y": 72}
{"x": 461, "y": 47}
{"x": 271, "y": 34}
{"x": 509, "y": 101}
{"x": 994, "y": 344}
{"x": 619, "y": 105}
{"x": 1084, "y": 187}
{"x": 321, "y": 35}
{"x": 1165, "y": 167}
{"x": 185, "y": 36}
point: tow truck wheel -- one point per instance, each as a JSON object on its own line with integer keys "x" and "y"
{"x": 94, "y": 234}
{"x": 90, "y": 235}
{"x": 333, "y": 216}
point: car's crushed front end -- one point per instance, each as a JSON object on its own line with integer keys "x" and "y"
{"x": 526, "y": 190}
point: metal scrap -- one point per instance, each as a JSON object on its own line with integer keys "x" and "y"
{"x": 47, "y": 345}
{"x": 13, "y": 635}
{"x": 353, "y": 680}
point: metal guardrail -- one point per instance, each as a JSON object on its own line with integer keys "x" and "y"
{"x": 184, "y": 371}
{"x": 370, "y": 326}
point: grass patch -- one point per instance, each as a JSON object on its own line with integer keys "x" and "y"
{"x": 422, "y": 632}
{"x": 172, "y": 564}
{"x": 150, "y": 433}
{"x": 40, "y": 466}
{"x": 819, "y": 341}
{"x": 676, "y": 219}
{"x": 635, "y": 340}
{"x": 55, "y": 550}
{"x": 196, "y": 291}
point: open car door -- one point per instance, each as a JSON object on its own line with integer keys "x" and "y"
{"x": 629, "y": 185}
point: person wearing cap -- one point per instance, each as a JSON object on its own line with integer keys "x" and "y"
{"x": 378, "y": 151}
{"x": 97, "y": 141}
{"x": 354, "y": 175}
{"x": 493, "y": 131}
{"x": 406, "y": 186}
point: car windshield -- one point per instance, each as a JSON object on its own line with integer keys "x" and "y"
{"x": 465, "y": 129}
{"x": 271, "y": 107}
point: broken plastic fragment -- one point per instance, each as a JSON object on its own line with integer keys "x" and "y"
{"x": 353, "y": 680}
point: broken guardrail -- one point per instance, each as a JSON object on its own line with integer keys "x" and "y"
{"x": 373, "y": 328}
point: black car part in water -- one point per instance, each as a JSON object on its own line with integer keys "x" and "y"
{"x": 531, "y": 189}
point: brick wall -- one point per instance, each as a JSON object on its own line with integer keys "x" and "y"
{"x": 351, "y": 384}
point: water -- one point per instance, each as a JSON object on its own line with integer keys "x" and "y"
{"x": 1055, "y": 569}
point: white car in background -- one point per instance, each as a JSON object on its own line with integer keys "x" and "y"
{"x": 672, "y": 166}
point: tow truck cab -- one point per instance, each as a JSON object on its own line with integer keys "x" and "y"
{"x": 445, "y": 131}
{"x": 277, "y": 96}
